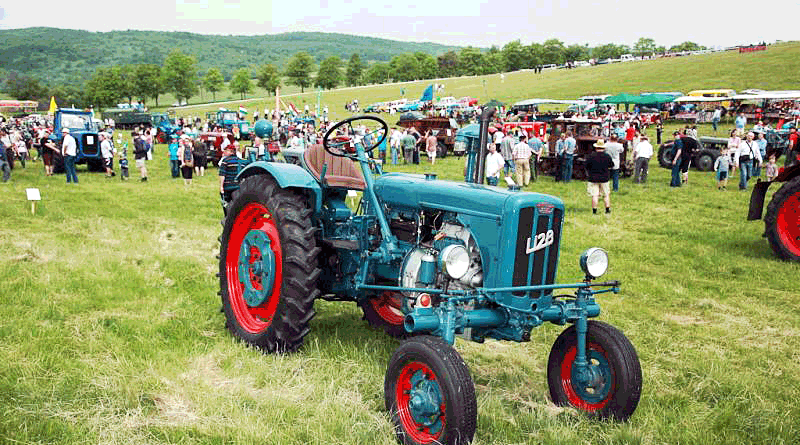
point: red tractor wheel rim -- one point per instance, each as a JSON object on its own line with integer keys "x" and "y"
{"x": 593, "y": 351}
{"x": 788, "y": 224}
{"x": 417, "y": 379}
{"x": 254, "y": 216}
{"x": 389, "y": 307}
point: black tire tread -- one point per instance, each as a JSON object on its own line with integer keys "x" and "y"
{"x": 623, "y": 402}
{"x": 771, "y": 219}
{"x": 300, "y": 271}
{"x": 450, "y": 369}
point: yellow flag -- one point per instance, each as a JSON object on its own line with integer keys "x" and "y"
{"x": 53, "y": 105}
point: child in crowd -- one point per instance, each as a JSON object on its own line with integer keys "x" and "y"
{"x": 721, "y": 166}
{"x": 772, "y": 168}
{"x": 123, "y": 161}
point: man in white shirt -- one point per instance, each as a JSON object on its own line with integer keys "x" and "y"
{"x": 641, "y": 155}
{"x": 394, "y": 143}
{"x": 69, "y": 150}
{"x": 494, "y": 165}
{"x": 107, "y": 152}
{"x": 614, "y": 149}
{"x": 746, "y": 155}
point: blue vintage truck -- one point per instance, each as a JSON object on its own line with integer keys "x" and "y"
{"x": 83, "y": 128}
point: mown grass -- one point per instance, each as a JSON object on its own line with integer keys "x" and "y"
{"x": 111, "y": 330}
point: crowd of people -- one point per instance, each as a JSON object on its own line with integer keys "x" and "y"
{"x": 514, "y": 157}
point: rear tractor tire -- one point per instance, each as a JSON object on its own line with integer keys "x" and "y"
{"x": 782, "y": 221}
{"x": 705, "y": 161}
{"x": 268, "y": 266}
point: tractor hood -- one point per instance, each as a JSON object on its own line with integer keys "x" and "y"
{"x": 414, "y": 191}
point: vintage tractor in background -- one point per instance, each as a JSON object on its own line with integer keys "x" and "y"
{"x": 165, "y": 126}
{"x": 229, "y": 120}
{"x": 426, "y": 260}
{"x": 83, "y": 128}
{"x": 782, "y": 220}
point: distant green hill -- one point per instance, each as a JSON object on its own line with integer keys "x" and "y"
{"x": 58, "y": 56}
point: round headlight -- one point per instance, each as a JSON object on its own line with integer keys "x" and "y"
{"x": 454, "y": 261}
{"x": 594, "y": 262}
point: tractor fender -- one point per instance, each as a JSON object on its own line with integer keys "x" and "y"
{"x": 760, "y": 191}
{"x": 287, "y": 176}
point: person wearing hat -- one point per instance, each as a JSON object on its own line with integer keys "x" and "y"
{"x": 69, "y": 150}
{"x": 598, "y": 173}
{"x": 174, "y": 160}
{"x": 107, "y": 151}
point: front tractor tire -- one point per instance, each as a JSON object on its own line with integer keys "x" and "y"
{"x": 615, "y": 384}
{"x": 268, "y": 266}
{"x": 782, "y": 221}
{"x": 429, "y": 393}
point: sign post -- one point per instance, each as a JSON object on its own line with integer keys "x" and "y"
{"x": 33, "y": 196}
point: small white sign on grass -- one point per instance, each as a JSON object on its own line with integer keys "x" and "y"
{"x": 33, "y": 196}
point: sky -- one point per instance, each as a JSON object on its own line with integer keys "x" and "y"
{"x": 452, "y": 22}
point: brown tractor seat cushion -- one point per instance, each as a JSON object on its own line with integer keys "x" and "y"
{"x": 341, "y": 172}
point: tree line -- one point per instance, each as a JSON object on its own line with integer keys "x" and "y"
{"x": 179, "y": 74}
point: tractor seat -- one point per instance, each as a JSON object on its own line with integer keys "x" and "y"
{"x": 341, "y": 172}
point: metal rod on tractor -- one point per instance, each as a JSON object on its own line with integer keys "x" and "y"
{"x": 486, "y": 116}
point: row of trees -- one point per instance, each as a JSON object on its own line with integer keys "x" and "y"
{"x": 179, "y": 72}
{"x": 467, "y": 61}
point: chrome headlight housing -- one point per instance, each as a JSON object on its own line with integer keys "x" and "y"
{"x": 594, "y": 262}
{"x": 454, "y": 261}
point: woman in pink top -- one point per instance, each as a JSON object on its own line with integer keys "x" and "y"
{"x": 430, "y": 146}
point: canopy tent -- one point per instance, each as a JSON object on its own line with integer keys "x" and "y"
{"x": 529, "y": 102}
{"x": 641, "y": 99}
{"x": 702, "y": 99}
{"x": 494, "y": 103}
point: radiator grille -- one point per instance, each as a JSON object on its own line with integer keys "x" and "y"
{"x": 540, "y": 266}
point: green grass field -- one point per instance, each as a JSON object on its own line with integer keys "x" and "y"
{"x": 110, "y": 330}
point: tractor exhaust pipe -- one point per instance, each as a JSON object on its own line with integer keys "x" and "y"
{"x": 486, "y": 116}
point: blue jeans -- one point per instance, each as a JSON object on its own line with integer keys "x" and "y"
{"x": 676, "y": 175}
{"x": 175, "y": 167}
{"x": 5, "y": 168}
{"x": 567, "y": 169}
{"x": 395, "y": 151}
{"x": 615, "y": 179}
{"x": 714, "y": 123}
{"x": 745, "y": 172}
{"x": 509, "y": 166}
{"x": 69, "y": 168}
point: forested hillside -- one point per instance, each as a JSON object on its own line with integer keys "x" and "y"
{"x": 61, "y": 56}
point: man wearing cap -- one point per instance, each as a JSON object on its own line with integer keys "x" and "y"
{"x": 107, "y": 151}
{"x": 69, "y": 150}
{"x": 140, "y": 154}
{"x": 598, "y": 172}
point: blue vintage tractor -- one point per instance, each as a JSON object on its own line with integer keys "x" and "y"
{"x": 426, "y": 260}
{"x": 84, "y": 130}
{"x": 167, "y": 129}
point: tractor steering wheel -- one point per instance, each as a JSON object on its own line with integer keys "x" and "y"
{"x": 369, "y": 131}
